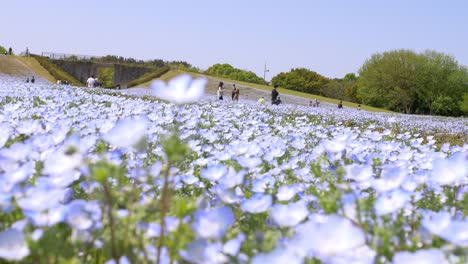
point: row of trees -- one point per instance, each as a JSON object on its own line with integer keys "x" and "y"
{"x": 229, "y": 72}
{"x": 155, "y": 63}
{"x": 402, "y": 80}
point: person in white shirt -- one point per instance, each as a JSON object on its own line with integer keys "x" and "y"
{"x": 90, "y": 82}
{"x": 220, "y": 91}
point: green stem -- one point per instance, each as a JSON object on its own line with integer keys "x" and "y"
{"x": 108, "y": 195}
{"x": 165, "y": 200}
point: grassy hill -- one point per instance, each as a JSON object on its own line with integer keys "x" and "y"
{"x": 23, "y": 67}
{"x": 247, "y": 87}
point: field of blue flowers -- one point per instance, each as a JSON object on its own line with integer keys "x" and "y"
{"x": 99, "y": 177}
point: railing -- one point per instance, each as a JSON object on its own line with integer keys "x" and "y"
{"x": 58, "y": 56}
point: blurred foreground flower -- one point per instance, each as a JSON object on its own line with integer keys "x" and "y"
{"x": 127, "y": 132}
{"x": 180, "y": 90}
{"x": 12, "y": 245}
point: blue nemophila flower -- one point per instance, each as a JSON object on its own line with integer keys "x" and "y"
{"x": 232, "y": 246}
{"x": 423, "y": 256}
{"x": 327, "y": 236}
{"x": 127, "y": 132}
{"x": 451, "y": 170}
{"x": 286, "y": 192}
{"x": 278, "y": 256}
{"x": 289, "y": 214}
{"x": 201, "y": 251}
{"x": 249, "y": 163}
{"x": 442, "y": 225}
{"x": 13, "y": 247}
{"x": 391, "y": 201}
{"x": 258, "y": 203}
{"x": 81, "y": 214}
{"x": 60, "y": 162}
{"x": 358, "y": 172}
{"x": 180, "y": 90}
{"x": 212, "y": 223}
{"x": 122, "y": 260}
{"x": 5, "y": 133}
{"x": 214, "y": 172}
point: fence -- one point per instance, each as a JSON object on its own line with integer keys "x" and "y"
{"x": 58, "y": 56}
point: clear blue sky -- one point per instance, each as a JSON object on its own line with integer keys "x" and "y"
{"x": 328, "y": 36}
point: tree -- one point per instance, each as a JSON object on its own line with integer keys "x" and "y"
{"x": 464, "y": 104}
{"x": 229, "y": 72}
{"x": 440, "y": 78}
{"x": 405, "y": 81}
{"x": 2, "y": 50}
{"x": 333, "y": 89}
{"x": 350, "y": 84}
{"x": 302, "y": 80}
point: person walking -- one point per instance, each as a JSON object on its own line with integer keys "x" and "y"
{"x": 274, "y": 94}
{"x": 340, "y": 104}
{"x": 220, "y": 91}
{"x": 90, "y": 82}
{"x": 236, "y": 95}
{"x": 233, "y": 91}
{"x": 32, "y": 80}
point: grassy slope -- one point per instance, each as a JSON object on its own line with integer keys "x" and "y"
{"x": 56, "y": 71}
{"x": 146, "y": 79}
{"x": 37, "y": 68}
{"x": 172, "y": 74}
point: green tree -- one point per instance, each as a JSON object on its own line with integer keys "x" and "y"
{"x": 350, "y": 84}
{"x": 402, "y": 80}
{"x": 2, "y": 50}
{"x": 441, "y": 78}
{"x": 229, "y": 72}
{"x": 302, "y": 80}
{"x": 464, "y": 104}
{"x": 389, "y": 80}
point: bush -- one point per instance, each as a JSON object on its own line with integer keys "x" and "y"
{"x": 229, "y": 72}
{"x": 2, "y": 50}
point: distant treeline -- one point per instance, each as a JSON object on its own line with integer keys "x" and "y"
{"x": 402, "y": 80}
{"x": 155, "y": 63}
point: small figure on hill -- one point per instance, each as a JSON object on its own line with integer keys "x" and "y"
{"x": 236, "y": 95}
{"x": 340, "y": 104}
{"x": 233, "y": 91}
{"x": 317, "y": 103}
{"x": 117, "y": 87}
{"x": 27, "y": 80}
{"x": 27, "y": 51}
{"x": 311, "y": 103}
{"x": 359, "y": 107}
{"x": 32, "y": 80}
{"x": 220, "y": 91}
{"x": 10, "y": 51}
{"x": 261, "y": 100}
{"x": 90, "y": 82}
{"x": 59, "y": 82}
{"x": 274, "y": 94}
